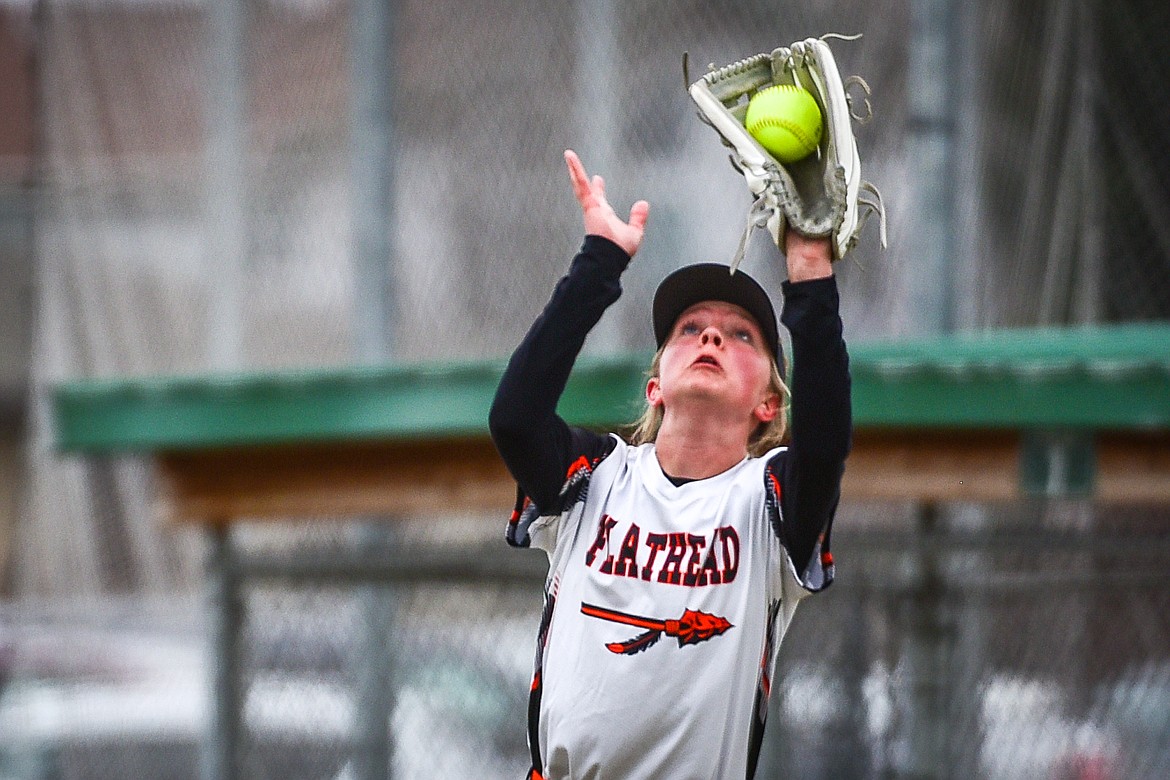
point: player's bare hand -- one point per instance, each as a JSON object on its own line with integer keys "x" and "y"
{"x": 600, "y": 218}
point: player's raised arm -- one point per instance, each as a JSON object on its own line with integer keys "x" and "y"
{"x": 807, "y": 258}
{"x": 821, "y": 408}
{"x": 536, "y": 444}
{"x": 600, "y": 218}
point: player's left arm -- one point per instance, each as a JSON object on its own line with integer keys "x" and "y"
{"x": 807, "y": 258}
{"x": 810, "y": 470}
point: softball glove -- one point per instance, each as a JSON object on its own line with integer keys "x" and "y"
{"x": 821, "y": 195}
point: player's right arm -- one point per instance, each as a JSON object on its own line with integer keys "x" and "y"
{"x": 537, "y": 445}
{"x": 599, "y": 217}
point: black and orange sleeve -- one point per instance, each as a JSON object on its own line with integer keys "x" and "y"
{"x": 808, "y": 475}
{"x": 537, "y": 446}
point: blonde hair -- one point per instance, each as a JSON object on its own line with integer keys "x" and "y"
{"x": 766, "y": 436}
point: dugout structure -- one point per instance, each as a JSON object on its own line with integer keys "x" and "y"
{"x": 978, "y": 418}
{"x": 1082, "y": 411}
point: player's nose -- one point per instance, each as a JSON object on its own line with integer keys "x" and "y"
{"x": 712, "y": 336}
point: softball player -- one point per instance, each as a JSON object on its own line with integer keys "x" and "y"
{"x": 677, "y": 559}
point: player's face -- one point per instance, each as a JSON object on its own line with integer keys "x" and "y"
{"x": 716, "y": 354}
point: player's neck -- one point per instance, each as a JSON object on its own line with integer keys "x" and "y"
{"x": 699, "y": 446}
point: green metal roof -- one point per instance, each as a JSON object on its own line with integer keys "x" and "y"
{"x": 417, "y": 401}
{"x": 1100, "y": 378}
{"x": 1115, "y": 377}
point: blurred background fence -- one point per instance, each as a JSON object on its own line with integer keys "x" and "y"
{"x": 130, "y": 250}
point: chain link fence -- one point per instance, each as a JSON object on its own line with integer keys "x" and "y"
{"x": 988, "y": 642}
{"x": 1009, "y": 644}
{"x": 959, "y": 641}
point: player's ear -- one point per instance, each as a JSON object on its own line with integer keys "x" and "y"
{"x": 767, "y": 409}
{"x": 654, "y": 391}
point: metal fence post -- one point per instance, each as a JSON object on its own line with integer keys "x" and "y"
{"x": 226, "y": 211}
{"x": 373, "y": 670}
{"x": 372, "y": 147}
{"x": 925, "y": 663}
{"x": 220, "y": 755}
{"x": 931, "y": 73}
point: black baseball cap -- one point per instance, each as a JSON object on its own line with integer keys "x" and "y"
{"x": 693, "y": 284}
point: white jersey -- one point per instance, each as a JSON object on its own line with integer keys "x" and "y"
{"x": 665, "y": 607}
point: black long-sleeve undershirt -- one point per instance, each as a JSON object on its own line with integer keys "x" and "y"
{"x": 538, "y": 446}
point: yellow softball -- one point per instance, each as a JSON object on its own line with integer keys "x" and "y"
{"x": 786, "y": 120}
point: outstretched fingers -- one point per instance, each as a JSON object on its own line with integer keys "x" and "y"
{"x": 639, "y": 212}
{"x": 579, "y": 178}
{"x": 599, "y": 216}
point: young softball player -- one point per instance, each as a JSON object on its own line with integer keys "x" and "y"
{"x": 676, "y": 559}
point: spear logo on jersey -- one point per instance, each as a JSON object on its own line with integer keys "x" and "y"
{"x": 690, "y": 629}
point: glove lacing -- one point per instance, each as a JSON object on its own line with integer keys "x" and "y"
{"x": 761, "y": 212}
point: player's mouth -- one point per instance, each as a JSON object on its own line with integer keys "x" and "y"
{"x": 706, "y": 360}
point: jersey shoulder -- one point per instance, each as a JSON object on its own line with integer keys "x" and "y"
{"x": 590, "y": 450}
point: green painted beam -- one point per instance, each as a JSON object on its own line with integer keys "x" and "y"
{"x": 1099, "y": 378}
{"x": 1073, "y": 398}
{"x": 351, "y": 404}
{"x": 1103, "y": 378}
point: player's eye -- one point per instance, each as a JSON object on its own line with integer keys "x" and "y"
{"x": 689, "y": 328}
{"x": 744, "y": 335}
